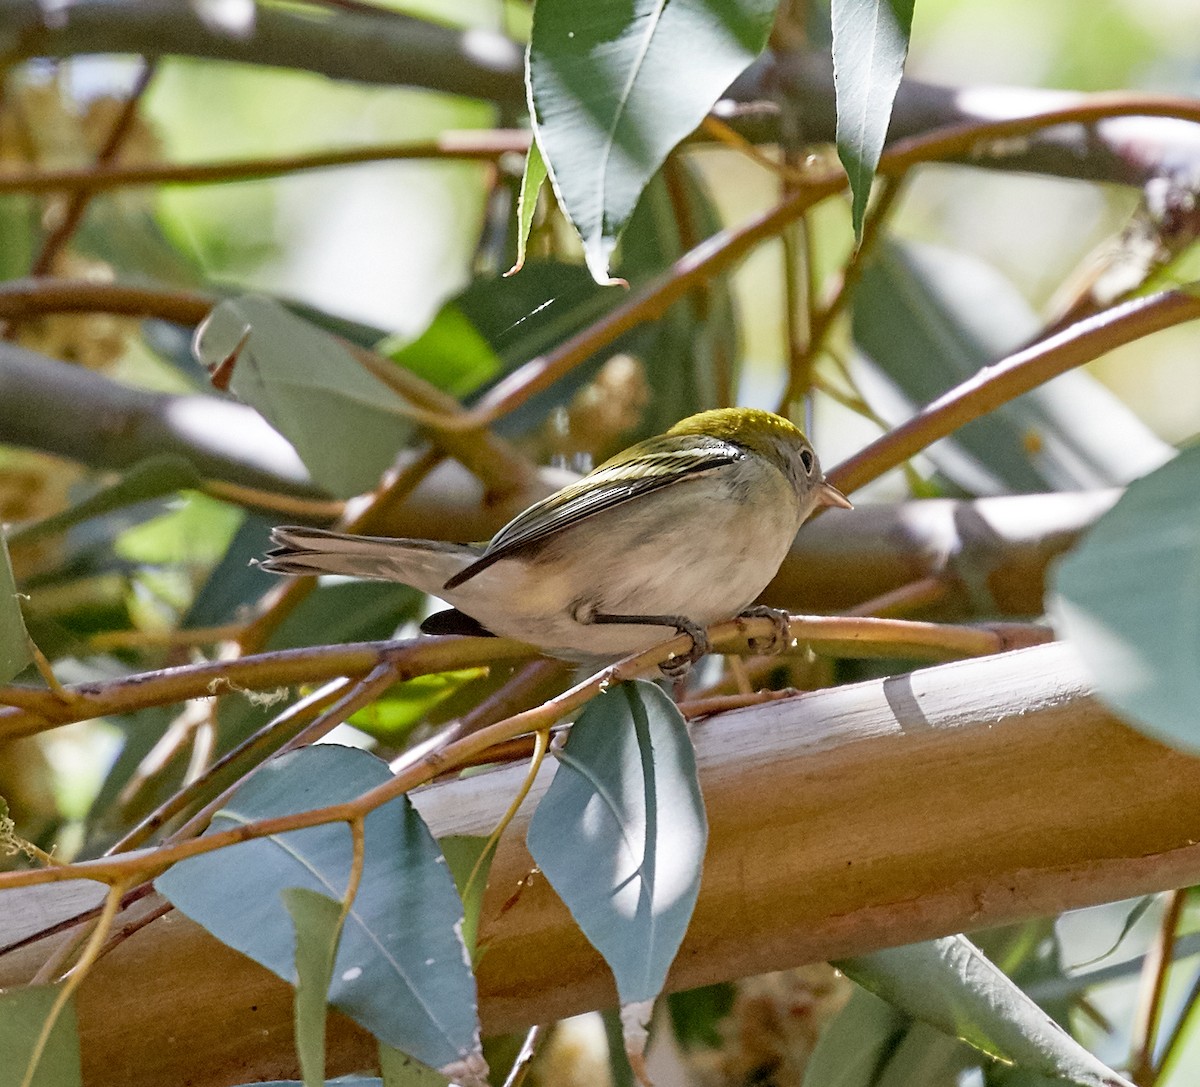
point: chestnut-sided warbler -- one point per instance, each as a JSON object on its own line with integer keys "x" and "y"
{"x": 678, "y": 531}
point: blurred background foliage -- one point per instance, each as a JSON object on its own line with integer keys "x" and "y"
{"x": 407, "y": 256}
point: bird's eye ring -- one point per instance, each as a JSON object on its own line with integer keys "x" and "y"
{"x": 808, "y": 460}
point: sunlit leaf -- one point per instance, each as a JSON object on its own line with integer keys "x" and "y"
{"x": 1128, "y": 599}
{"x": 621, "y": 833}
{"x": 951, "y": 985}
{"x": 23, "y": 1013}
{"x": 870, "y": 42}
{"x": 450, "y": 353}
{"x": 345, "y": 423}
{"x": 401, "y": 969}
{"x": 318, "y": 922}
{"x": 531, "y": 185}
{"x": 15, "y": 652}
{"x": 615, "y": 85}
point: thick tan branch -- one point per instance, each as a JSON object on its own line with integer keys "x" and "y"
{"x": 957, "y": 797}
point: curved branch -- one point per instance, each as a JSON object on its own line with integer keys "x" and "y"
{"x": 358, "y": 45}
{"x": 889, "y": 811}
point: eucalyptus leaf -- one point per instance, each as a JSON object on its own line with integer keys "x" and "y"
{"x": 401, "y": 969}
{"x": 464, "y": 854}
{"x": 400, "y": 1070}
{"x": 23, "y": 1014}
{"x": 1128, "y": 599}
{"x": 855, "y": 1045}
{"x": 532, "y": 179}
{"x": 451, "y": 353}
{"x": 15, "y": 652}
{"x": 345, "y": 423}
{"x": 616, "y": 84}
{"x": 621, "y": 833}
{"x": 318, "y": 922}
{"x": 870, "y": 42}
{"x": 930, "y": 318}
{"x": 951, "y": 985}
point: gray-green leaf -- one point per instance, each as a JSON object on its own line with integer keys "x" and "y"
{"x": 23, "y": 1014}
{"x": 1128, "y": 598}
{"x": 621, "y": 833}
{"x": 15, "y": 652}
{"x": 870, "y": 42}
{"x": 951, "y": 985}
{"x": 318, "y": 922}
{"x": 616, "y": 84}
{"x": 401, "y": 969}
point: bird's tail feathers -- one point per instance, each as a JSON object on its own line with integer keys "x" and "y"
{"x": 424, "y": 564}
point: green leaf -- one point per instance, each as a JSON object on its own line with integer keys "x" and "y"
{"x": 951, "y": 985}
{"x": 318, "y": 922}
{"x": 870, "y": 42}
{"x": 854, "y": 1046}
{"x": 150, "y": 478}
{"x": 1128, "y": 599}
{"x": 401, "y": 969}
{"x": 15, "y": 653}
{"x": 621, "y": 833}
{"x": 696, "y": 1014}
{"x": 463, "y": 853}
{"x": 531, "y": 185}
{"x": 23, "y": 1014}
{"x": 345, "y": 423}
{"x": 405, "y": 705}
{"x": 616, "y": 84}
{"x": 930, "y": 318}
{"x": 450, "y": 353}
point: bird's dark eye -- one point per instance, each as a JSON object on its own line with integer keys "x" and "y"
{"x": 808, "y": 460}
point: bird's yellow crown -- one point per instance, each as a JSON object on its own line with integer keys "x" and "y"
{"x": 750, "y": 427}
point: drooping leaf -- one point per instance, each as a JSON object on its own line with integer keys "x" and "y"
{"x": 23, "y": 1012}
{"x": 150, "y": 478}
{"x": 401, "y": 969}
{"x": 615, "y": 85}
{"x": 345, "y": 423}
{"x": 870, "y": 42}
{"x": 854, "y": 1046}
{"x": 951, "y": 985}
{"x": 15, "y": 652}
{"x": 929, "y": 318}
{"x": 464, "y": 854}
{"x": 1128, "y": 599}
{"x": 621, "y": 833}
{"x": 531, "y": 185}
{"x": 318, "y": 922}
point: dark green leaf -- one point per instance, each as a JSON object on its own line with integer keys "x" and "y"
{"x": 450, "y": 353}
{"x": 1128, "y": 599}
{"x": 621, "y": 832}
{"x": 615, "y": 85}
{"x": 532, "y": 179}
{"x": 400, "y": 1070}
{"x": 870, "y": 42}
{"x": 345, "y": 423}
{"x": 23, "y": 1014}
{"x": 151, "y": 478}
{"x": 15, "y": 654}
{"x": 949, "y": 984}
{"x": 463, "y": 853}
{"x": 401, "y": 969}
{"x": 318, "y": 922}
{"x": 930, "y": 318}
{"x": 696, "y": 1014}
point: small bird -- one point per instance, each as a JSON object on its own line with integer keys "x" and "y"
{"x": 675, "y": 532}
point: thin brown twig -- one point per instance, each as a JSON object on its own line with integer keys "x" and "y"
{"x": 483, "y": 145}
{"x": 1155, "y": 968}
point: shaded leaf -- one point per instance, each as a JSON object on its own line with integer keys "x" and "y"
{"x": 854, "y": 1046}
{"x": 1128, "y": 599}
{"x": 450, "y": 353}
{"x": 531, "y": 185}
{"x": 930, "y": 318}
{"x": 870, "y": 42}
{"x": 345, "y": 423}
{"x": 400, "y": 1070}
{"x": 318, "y": 922}
{"x": 463, "y": 853}
{"x": 401, "y": 969}
{"x": 150, "y": 478}
{"x": 23, "y": 1013}
{"x": 615, "y": 85}
{"x": 696, "y": 1014}
{"x": 951, "y": 985}
{"x": 15, "y": 654}
{"x": 621, "y": 832}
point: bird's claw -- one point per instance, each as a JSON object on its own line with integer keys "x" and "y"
{"x": 780, "y": 638}
{"x": 677, "y": 667}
